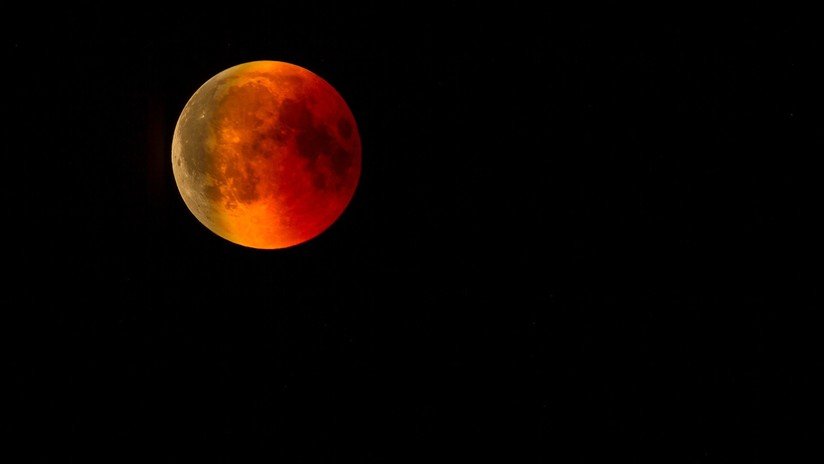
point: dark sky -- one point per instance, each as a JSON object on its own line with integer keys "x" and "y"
{"x": 577, "y": 238}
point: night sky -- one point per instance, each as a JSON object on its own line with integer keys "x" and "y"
{"x": 576, "y": 238}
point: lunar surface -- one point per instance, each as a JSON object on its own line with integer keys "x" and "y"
{"x": 266, "y": 154}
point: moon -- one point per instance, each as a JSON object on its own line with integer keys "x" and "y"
{"x": 266, "y": 154}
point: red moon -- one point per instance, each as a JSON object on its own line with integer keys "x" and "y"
{"x": 266, "y": 154}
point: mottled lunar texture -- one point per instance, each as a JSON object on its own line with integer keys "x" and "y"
{"x": 266, "y": 154}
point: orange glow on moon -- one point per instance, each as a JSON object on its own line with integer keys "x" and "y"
{"x": 266, "y": 154}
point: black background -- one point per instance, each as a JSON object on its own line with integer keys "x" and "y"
{"x": 577, "y": 238}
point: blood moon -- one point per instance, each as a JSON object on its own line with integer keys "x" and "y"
{"x": 266, "y": 154}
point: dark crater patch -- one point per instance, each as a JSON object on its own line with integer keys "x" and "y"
{"x": 246, "y": 191}
{"x": 313, "y": 142}
{"x": 295, "y": 115}
{"x": 243, "y": 181}
{"x": 345, "y": 128}
{"x": 319, "y": 181}
{"x": 313, "y": 139}
{"x": 341, "y": 161}
{"x": 266, "y": 145}
{"x": 212, "y": 193}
